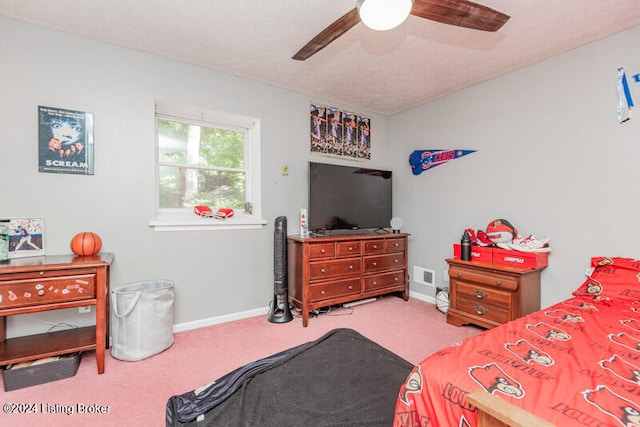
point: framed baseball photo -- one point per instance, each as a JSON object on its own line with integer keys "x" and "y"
{"x": 26, "y": 237}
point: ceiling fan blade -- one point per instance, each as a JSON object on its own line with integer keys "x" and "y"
{"x": 461, "y": 13}
{"x": 329, "y": 34}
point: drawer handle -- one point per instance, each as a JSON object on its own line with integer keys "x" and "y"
{"x": 322, "y": 292}
{"x": 350, "y": 287}
{"x": 350, "y": 248}
{"x": 396, "y": 245}
{"x": 396, "y": 279}
{"x": 41, "y": 292}
{"x": 480, "y": 310}
{"x": 375, "y": 283}
{"x": 375, "y": 246}
{"x": 479, "y": 293}
{"x": 498, "y": 283}
{"x": 322, "y": 251}
{"x": 396, "y": 261}
{"x": 459, "y": 275}
{"x": 374, "y": 263}
{"x": 351, "y": 267}
{"x": 322, "y": 270}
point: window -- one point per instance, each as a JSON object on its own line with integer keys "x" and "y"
{"x": 206, "y": 158}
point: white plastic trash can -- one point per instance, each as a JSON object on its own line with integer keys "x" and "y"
{"x": 141, "y": 319}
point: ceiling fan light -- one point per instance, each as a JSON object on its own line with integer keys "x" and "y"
{"x": 383, "y": 15}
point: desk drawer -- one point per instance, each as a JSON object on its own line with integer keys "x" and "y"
{"x": 334, "y": 268}
{"x": 46, "y": 290}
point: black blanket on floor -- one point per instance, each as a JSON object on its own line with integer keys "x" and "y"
{"x": 341, "y": 379}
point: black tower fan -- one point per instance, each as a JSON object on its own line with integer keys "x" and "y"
{"x": 280, "y": 312}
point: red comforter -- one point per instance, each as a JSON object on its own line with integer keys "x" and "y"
{"x": 576, "y": 363}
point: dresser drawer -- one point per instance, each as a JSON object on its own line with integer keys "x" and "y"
{"x": 45, "y": 290}
{"x": 483, "y": 309}
{"x": 348, "y": 249}
{"x": 484, "y": 278}
{"x": 385, "y": 280}
{"x": 395, "y": 245}
{"x": 372, "y": 247}
{"x": 383, "y": 262}
{"x": 334, "y": 289}
{"x": 484, "y": 295}
{"x": 334, "y": 268}
{"x": 322, "y": 250}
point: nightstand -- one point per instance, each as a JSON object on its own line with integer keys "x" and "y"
{"x": 489, "y": 295}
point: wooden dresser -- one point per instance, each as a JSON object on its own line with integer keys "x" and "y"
{"x": 30, "y": 285}
{"x": 329, "y": 270}
{"x": 489, "y": 295}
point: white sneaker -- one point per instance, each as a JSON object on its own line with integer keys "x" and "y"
{"x": 530, "y": 244}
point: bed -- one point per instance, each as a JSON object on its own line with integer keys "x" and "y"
{"x": 576, "y": 363}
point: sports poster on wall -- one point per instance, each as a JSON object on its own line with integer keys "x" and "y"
{"x": 339, "y": 134}
{"x": 65, "y": 141}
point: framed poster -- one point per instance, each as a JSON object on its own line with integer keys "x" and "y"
{"x": 26, "y": 237}
{"x": 339, "y": 134}
{"x": 65, "y": 141}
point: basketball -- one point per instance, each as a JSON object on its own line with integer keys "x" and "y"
{"x": 501, "y": 231}
{"x": 86, "y": 243}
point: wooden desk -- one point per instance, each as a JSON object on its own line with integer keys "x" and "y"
{"x": 37, "y": 284}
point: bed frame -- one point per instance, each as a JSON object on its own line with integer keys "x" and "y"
{"x": 495, "y": 412}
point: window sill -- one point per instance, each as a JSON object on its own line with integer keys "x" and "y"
{"x": 196, "y": 223}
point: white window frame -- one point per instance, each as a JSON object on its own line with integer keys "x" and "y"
{"x": 186, "y": 219}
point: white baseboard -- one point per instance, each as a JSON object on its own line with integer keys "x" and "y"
{"x": 180, "y": 327}
{"x": 422, "y": 297}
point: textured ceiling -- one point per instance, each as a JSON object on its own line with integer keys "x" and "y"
{"x": 383, "y": 72}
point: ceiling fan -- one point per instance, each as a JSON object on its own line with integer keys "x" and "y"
{"x": 461, "y": 13}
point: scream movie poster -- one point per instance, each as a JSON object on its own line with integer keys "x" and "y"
{"x": 65, "y": 141}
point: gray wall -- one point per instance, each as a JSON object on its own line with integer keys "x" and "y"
{"x": 551, "y": 158}
{"x": 217, "y": 272}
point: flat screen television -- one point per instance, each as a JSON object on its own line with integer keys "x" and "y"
{"x": 348, "y": 198}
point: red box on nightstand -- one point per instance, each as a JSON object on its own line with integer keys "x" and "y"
{"x": 478, "y": 253}
{"x": 520, "y": 259}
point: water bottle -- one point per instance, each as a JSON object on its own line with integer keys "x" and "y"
{"x": 465, "y": 247}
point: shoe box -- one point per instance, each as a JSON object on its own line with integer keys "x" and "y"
{"x": 520, "y": 259}
{"x": 497, "y": 256}
{"x": 478, "y": 253}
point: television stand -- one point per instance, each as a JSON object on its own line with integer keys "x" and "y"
{"x": 338, "y": 269}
